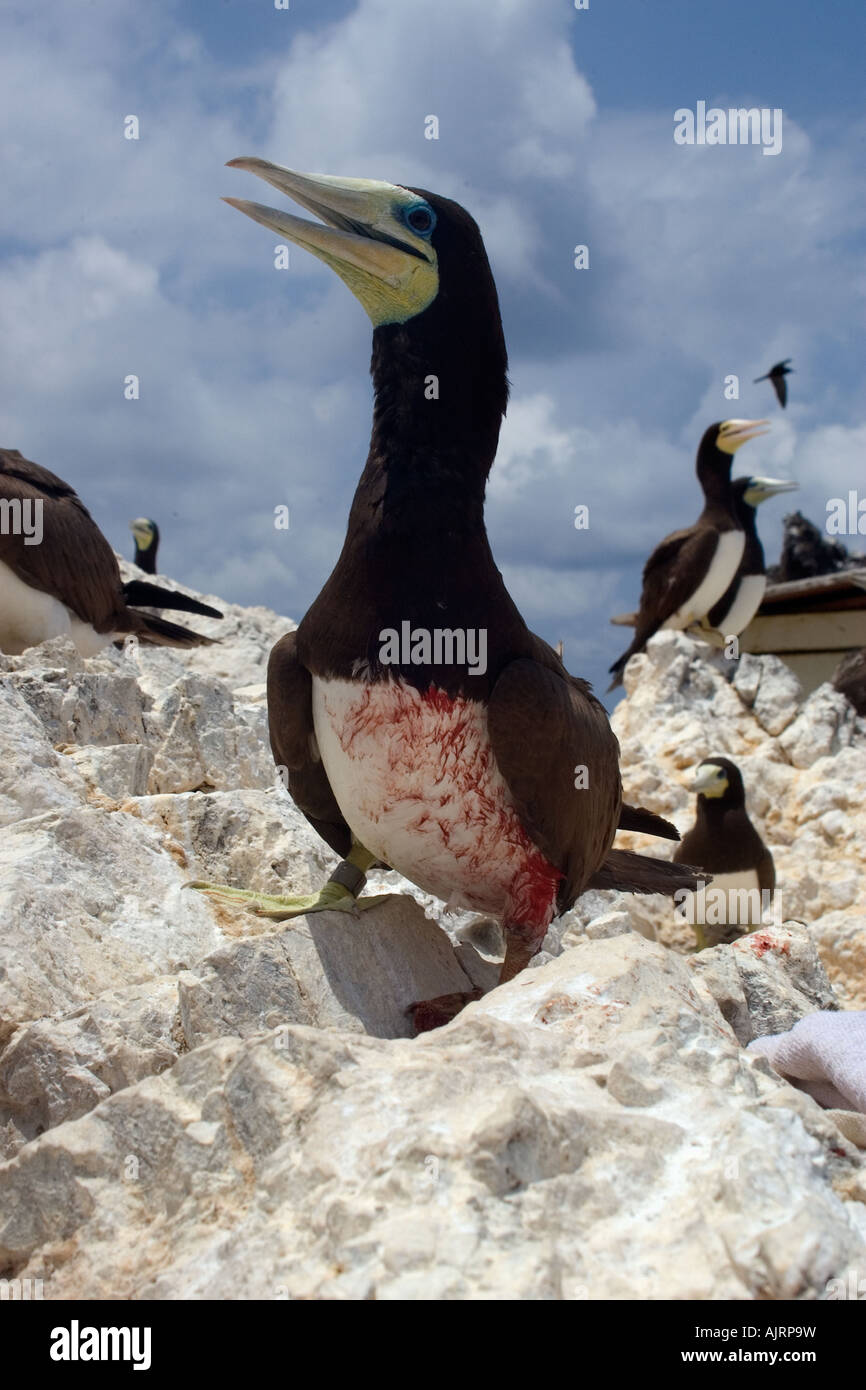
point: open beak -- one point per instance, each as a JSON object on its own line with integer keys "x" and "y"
{"x": 760, "y": 489}
{"x": 360, "y": 236}
{"x": 735, "y": 433}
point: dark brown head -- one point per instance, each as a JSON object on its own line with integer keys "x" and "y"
{"x": 720, "y": 781}
{"x": 417, "y": 264}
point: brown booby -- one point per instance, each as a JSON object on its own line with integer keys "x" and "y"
{"x": 777, "y": 375}
{"x": 743, "y": 596}
{"x": 140, "y": 592}
{"x": 421, "y": 723}
{"x": 689, "y": 571}
{"x": 725, "y": 843}
{"x": 59, "y": 576}
{"x": 146, "y": 535}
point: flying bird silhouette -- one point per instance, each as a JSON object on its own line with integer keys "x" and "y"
{"x": 777, "y": 375}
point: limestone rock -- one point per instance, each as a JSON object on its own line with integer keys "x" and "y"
{"x": 34, "y": 779}
{"x": 90, "y": 901}
{"x": 544, "y": 1145}
{"x": 331, "y": 970}
{"x": 770, "y": 689}
{"x": 55, "y": 1070}
{"x": 804, "y": 766}
{"x": 766, "y": 981}
{"x": 204, "y": 741}
{"x": 195, "y": 1101}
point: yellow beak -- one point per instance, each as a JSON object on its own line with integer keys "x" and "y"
{"x": 360, "y": 236}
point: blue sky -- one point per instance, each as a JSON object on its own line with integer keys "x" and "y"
{"x": 556, "y": 128}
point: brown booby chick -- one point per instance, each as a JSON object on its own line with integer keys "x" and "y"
{"x": 725, "y": 843}
{"x": 421, "y": 723}
{"x": 691, "y": 569}
{"x": 59, "y": 576}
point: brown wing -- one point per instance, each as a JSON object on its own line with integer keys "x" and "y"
{"x": 646, "y": 822}
{"x": 293, "y": 744}
{"x": 766, "y": 873}
{"x": 73, "y": 561}
{"x": 628, "y": 872}
{"x": 545, "y": 726}
{"x": 672, "y": 573}
{"x": 668, "y": 581}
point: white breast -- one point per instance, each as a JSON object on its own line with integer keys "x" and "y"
{"x": 416, "y": 779}
{"x": 28, "y": 617}
{"x": 745, "y": 605}
{"x": 723, "y": 567}
{"x": 730, "y": 900}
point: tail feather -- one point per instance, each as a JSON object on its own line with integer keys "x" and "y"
{"x": 637, "y": 644}
{"x": 159, "y": 632}
{"x": 620, "y": 664}
{"x": 646, "y": 822}
{"x": 628, "y": 872}
{"x": 138, "y": 592}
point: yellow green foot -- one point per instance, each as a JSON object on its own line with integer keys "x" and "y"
{"x": 333, "y": 897}
{"x": 340, "y": 894}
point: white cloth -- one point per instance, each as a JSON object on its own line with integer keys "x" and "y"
{"x": 825, "y": 1055}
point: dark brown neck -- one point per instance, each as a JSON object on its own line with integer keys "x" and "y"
{"x": 439, "y": 401}
{"x": 714, "y": 476}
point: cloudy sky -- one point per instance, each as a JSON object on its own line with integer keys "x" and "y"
{"x": 555, "y": 128}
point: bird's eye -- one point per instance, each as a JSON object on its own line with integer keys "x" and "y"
{"x": 421, "y": 219}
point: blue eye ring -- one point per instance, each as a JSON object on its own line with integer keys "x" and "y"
{"x": 420, "y": 219}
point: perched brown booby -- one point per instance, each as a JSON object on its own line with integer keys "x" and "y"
{"x": 691, "y": 569}
{"x": 777, "y": 375}
{"x": 725, "y": 843}
{"x": 421, "y": 723}
{"x": 146, "y": 535}
{"x": 742, "y": 598}
{"x": 140, "y": 592}
{"x": 59, "y": 576}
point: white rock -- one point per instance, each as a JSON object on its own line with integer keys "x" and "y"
{"x": 90, "y": 900}
{"x": 766, "y": 981}
{"x": 543, "y": 1146}
{"x": 332, "y": 970}
{"x": 545, "y": 1143}
{"x": 805, "y": 788}
{"x": 54, "y": 1070}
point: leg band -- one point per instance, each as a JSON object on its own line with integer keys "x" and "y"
{"x": 348, "y": 876}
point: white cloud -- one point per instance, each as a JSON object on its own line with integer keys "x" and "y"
{"x": 254, "y": 385}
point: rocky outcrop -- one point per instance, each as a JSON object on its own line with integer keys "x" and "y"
{"x": 804, "y": 766}
{"x": 196, "y": 1102}
{"x": 592, "y": 1130}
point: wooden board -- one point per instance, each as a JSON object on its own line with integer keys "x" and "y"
{"x": 840, "y": 631}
